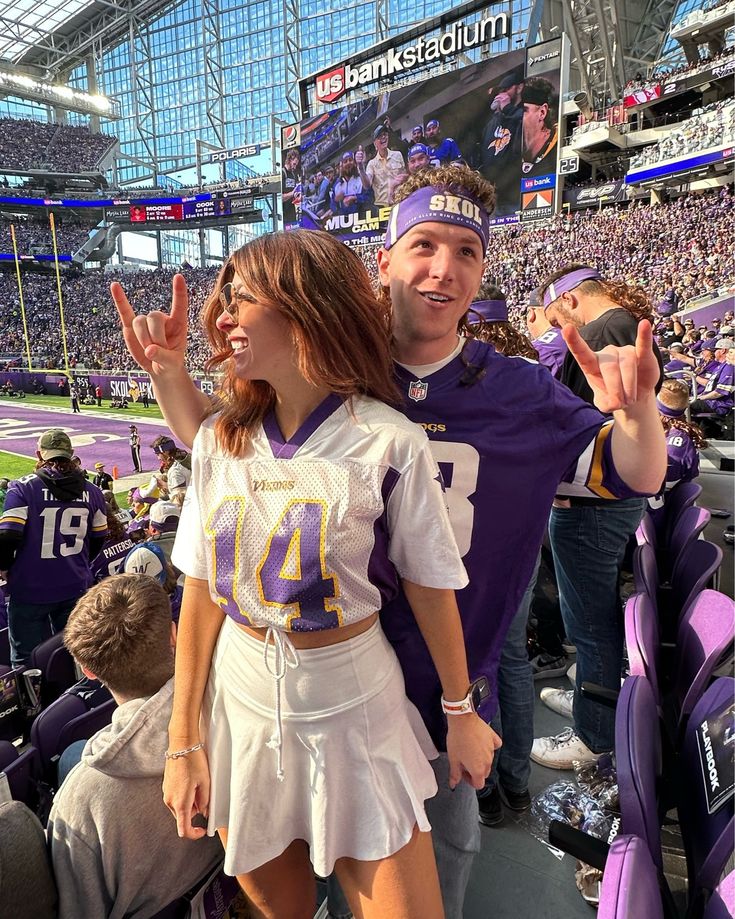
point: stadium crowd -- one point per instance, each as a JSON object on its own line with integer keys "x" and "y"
{"x": 680, "y": 245}
{"x": 714, "y": 126}
{"x": 29, "y": 144}
{"x": 36, "y": 235}
{"x": 665, "y": 74}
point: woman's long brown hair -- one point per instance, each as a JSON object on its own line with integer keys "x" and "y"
{"x": 340, "y": 331}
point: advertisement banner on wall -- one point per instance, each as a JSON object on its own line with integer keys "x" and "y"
{"x": 499, "y": 116}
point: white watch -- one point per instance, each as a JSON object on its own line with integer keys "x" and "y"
{"x": 479, "y": 691}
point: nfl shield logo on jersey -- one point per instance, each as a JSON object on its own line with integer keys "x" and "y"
{"x": 417, "y": 390}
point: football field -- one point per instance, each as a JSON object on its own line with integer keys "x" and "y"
{"x": 96, "y": 437}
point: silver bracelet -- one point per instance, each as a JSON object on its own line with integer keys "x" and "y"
{"x": 178, "y": 753}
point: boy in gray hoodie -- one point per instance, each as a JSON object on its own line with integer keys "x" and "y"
{"x": 114, "y": 845}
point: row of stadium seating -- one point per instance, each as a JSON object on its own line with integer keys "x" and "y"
{"x": 29, "y": 144}
{"x": 679, "y": 637}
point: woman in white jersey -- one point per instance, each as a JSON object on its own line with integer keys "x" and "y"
{"x": 311, "y": 503}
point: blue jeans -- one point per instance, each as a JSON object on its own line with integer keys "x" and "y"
{"x": 31, "y": 623}
{"x": 588, "y": 543}
{"x": 514, "y": 718}
{"x": 455, "y": 832}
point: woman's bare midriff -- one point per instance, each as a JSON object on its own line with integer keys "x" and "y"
{"x": 322, "y": 638}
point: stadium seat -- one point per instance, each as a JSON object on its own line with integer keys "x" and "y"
{"x": 676, "y": 501}
{"x": 27, "y": 885}
{"x": 687, "y": 528}
{"x": 708, "y": 837}
{"x": 63, "y": 719}
{"x": 638, "y": 757}
{"x": 629, "y": 887}
{"x": 646, "y": 532}
{"x": 642, "y": 640}
{"x": 704, "y": 636}
{"x": 696, "y": 569}
{"x": 21, "y": 770}
{"x": 721, "y": 905}
{"x": 57, "y": 668}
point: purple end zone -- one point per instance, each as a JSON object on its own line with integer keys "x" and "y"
{"x": 96, "y": 439}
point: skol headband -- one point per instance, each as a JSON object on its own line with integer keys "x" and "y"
{"x": 437, "y": 205}
{"x": 489, "y": 310}
{"x": 669, "y": 412}
{"x": 418, "y": 148}
{"x": 568, "y": 282}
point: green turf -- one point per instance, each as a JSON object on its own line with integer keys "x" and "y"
{"x": 54, "y": 402}
{"x": 12, "y": 466}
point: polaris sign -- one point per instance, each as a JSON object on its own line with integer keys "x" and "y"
{"x": 238, "y": 153}
{"x": 336, "y": 82}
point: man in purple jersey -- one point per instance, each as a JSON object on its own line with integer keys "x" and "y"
{"x": 503, "y": 431}
{"x": 717, "y": 396}
{"x": 53, "y": 523}
{"x": 547, "y": 340}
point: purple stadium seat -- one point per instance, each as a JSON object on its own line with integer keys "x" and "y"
{"x": 696, "y": 568}
{"x": 690, "y": 524}
{"x": 645, "y": 571}
{"x": 708, "y": 838}
{"x": 676, "y": 501}
{"x": 84, "y": 726}
{"x": 21, "y": 770}
{"x": 705, "y": 633}
{"x": 642, "y": 640}
{"x": 56, "y": 665}
{"x": 630, "y": 882}
{"x": 52, "y": 728}
{"x": 721, "y": 904}
{"x": 646, "y": 532}
{"x": 638, "y": 756}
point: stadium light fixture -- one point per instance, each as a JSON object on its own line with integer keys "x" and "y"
{"x": 25, "y": 87}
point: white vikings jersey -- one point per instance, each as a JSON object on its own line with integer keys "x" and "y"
{"x": 314, "y": 532}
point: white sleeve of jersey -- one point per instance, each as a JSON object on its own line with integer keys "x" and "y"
{"x": 422, "y": 544}
{"x": 189, "y": 554}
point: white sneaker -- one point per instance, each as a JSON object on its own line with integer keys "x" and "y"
{"x": 560, "y": 701}
{"x": 562, "y": 751}
{"x": 572, "y": 674}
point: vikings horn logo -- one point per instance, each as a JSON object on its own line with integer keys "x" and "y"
{"x": 502, "y": 139}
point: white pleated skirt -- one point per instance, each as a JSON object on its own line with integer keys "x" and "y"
{"x": 354, "y": 752}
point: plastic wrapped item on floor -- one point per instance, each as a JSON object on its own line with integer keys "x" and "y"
{"x": 588, "y": 880}
{"x": 566, "y": 802}
{"x": 599, "y": 780}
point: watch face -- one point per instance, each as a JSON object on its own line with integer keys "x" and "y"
{"x": 480, "y": 690}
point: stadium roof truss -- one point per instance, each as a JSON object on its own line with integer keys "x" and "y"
{"x": 611, "y": 39}
{"x": 55, "y": 36}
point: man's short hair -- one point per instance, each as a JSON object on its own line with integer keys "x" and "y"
{"x": 120, "y": 630}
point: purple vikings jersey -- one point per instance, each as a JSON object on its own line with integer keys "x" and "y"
{"x": 722, "y": 382}
{"x": 315, "y": 532}
{"x": 551, "y": 349}
{"x": 111, "y": 558}
{"x": 503, "y": 443}
{"x": 683, "y": 458}
{"x": 52, "y": 561}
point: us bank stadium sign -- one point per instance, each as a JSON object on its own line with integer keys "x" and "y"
{"x": 334, "y": 83}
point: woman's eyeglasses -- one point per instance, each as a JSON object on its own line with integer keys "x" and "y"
{"x": 230, "y": 300}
